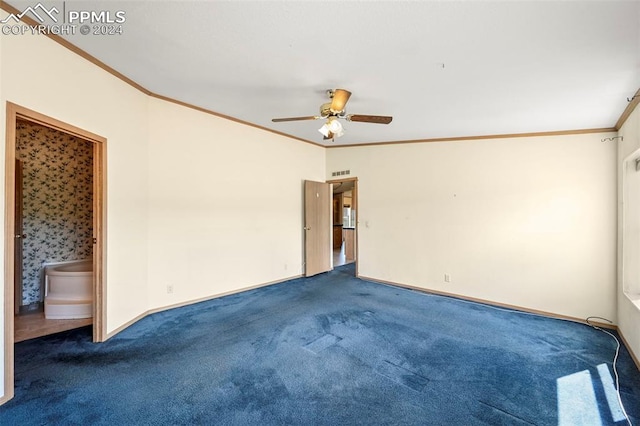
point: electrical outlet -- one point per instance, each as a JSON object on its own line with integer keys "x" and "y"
{"x": 169, "y": 289}
{"x": 447, "y": 278}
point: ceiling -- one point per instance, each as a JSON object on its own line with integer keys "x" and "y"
{"x": 344, "y": 186}
{"x": 442, "y": 69}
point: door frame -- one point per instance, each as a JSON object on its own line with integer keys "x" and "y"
{"x": 18, "y": 247}
{"x": 13, "y": 113}
{"x": 356, "y": 204}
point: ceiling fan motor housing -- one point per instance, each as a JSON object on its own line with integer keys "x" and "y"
{"x": 325, "y": 110}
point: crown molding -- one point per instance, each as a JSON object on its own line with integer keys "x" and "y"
{"x": 470, "y": 138}
{"x": 631, "y": 106}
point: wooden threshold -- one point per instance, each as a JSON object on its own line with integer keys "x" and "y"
{"x": 36, "y": 325}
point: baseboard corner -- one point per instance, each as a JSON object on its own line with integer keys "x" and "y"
{"x": 635, "y": 359}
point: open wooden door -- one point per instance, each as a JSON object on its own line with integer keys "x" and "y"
{"x": 19, "y": 236}
{"x": 317, "y": 227}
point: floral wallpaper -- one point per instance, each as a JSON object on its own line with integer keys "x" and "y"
{"x": 57, "y": 201}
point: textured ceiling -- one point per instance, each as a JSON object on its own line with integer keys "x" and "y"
{"x": 441, "y": 69}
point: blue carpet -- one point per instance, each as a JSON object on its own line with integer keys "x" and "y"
{"x": 327, "y": 350}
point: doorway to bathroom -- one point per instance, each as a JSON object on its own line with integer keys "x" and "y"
{"x": 54, "y": 193}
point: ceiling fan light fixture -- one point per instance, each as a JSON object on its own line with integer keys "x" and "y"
{"x": 325, "y": 130}
{"x": 335, "y": 127}
{"x": 332, "y": 126}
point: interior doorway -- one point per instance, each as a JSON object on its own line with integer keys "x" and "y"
{"x": 14, "y": 233}
{"x": 344, "y": 210}
{"x": 53, "y": 231}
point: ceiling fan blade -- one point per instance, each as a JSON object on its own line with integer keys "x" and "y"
{"x": 309, "y": 117}
{"x": 329, "y": 136}
{"x": 378, "y": 119}
{"x": 339, "y": 100}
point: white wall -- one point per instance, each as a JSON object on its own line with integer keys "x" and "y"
{"x": 205, "y": 204}
{"x": 225, "y": 204}
{"x": 529, "y": 222}
{"x": 628, "y": 237}
{"x": 37, "y": 73}
{"x": 43, "y": 76}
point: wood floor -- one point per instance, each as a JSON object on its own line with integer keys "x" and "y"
{"x": 36, "y": 325}
{"x": 339, "y": 257}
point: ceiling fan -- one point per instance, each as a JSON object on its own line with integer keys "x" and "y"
{"x": 334, "y": 110}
